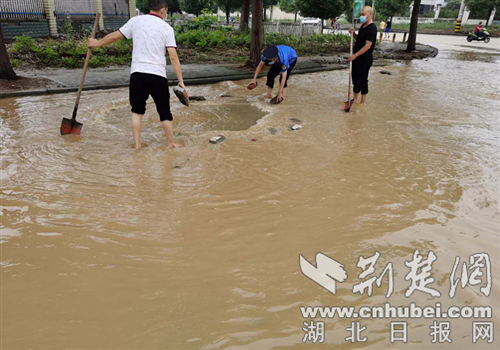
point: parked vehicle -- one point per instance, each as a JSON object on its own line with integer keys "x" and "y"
{"x": 313, "y": 21}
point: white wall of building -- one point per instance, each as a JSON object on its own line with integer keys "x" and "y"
{"x": 277, "y": 14}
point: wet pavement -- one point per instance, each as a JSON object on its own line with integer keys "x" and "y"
{"x": 192, "y": 73}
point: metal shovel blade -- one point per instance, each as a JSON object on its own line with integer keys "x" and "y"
{"x": 70, "y": 126}
{"x": 347, "y": 105}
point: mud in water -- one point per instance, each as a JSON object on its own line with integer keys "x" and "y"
{"x": 105, "y": 247}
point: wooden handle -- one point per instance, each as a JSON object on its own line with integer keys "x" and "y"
{"x": 350, "y": 74}
{"x": 87, "y": 59}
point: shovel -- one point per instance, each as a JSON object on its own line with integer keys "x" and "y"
{"x": 347, "y": 105}
{"x": 71, "y": 126}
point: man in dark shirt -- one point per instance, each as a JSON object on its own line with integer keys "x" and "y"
{"x": 362, "y": 58}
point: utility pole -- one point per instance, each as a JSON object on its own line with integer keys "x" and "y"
{"x": 459, "y": 19}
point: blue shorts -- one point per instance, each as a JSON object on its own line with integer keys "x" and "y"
{"x": 387, "y": 30}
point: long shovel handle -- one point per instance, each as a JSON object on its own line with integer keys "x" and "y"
{"x": 350, "y": 62}
{"x": 350, "y": 74}
{"x": 86, "y": 66}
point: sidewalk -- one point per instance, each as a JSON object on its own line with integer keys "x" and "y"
{"x": 118, "y": 77}
{"x": 197, "y": 74}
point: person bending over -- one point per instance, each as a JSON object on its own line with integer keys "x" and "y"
{"x": 282, "y": 60}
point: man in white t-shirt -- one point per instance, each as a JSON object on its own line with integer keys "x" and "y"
{"x": 152, "y": 37}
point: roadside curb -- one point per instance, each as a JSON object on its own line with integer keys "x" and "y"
{"x": 399, "y": 31}
{"x": 192, "y": 81}
{"x": 434, "y": 52}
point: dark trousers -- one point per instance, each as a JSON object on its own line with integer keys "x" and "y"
{"x": 360, "y": 69}
{"x": 141, "y": 86}
{"x": 275, "y": 71}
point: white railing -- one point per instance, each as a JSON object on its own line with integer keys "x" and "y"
{"x": 20, "y": 9}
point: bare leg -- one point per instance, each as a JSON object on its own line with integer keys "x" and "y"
{"x": 356, "y": 97}
{"x": 269, "y": 92}
{"x": 169, "y": 132}
{"x": 136, "y": 129}
{"x": 363, "y": 99}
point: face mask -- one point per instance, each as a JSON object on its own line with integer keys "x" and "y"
{"x": 269, "y": 62}
{"x": 362, "y": 19}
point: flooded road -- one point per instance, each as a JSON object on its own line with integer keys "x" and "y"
{"x": 104, "y": 247}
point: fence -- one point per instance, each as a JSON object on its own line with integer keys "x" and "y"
{"x": 115, "y": 8}
{"x": 26, "y": 9}
{"x": 82, "y": 8}
{"x": 297, "y": 29}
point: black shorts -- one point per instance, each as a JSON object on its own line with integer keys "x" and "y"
{"x": 275, "y": 71}
{"x": 141, "y": 86}
{"x": 360, "y": 70}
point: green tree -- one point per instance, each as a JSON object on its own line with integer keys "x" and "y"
{"x": 323, "y": 9}
{"x": 483, "y": 7}
{"x": 142, "y": 5}
{"x": 289, "y": 6}
{"x": 173, "y": 6}
{"x": 245, "y": 14}
{"x": 267, "y": 4}
{"x": 389, "y": 8}
{"x": 228, "y": 6}
{"x": 257, "y": 33}
{"x": 195, "y": 6}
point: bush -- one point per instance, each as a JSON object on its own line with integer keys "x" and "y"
{"x": 22, "y": 44}
{"x": 200, "y": 22}
{"x": 199, "y": 45}
{"x": 444, "y": 13}
{"x": 429, "y": 14}
{"x": 68, "y": 53}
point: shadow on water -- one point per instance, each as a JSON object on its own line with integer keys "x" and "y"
{"x": 224, "y": 115}
{"x": 230, "y": 117}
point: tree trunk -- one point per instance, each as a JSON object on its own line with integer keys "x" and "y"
{"x": 488, "y": 19}
{"x": 296, "y": 16}
{"x": 245, "y": 14}
{"x": 265, "y": 14}
{"x": 228, "y": 13}
{"x": 257, "y": 32}
{"x": 6, "y": 71}
{"x": 412, "y": 37}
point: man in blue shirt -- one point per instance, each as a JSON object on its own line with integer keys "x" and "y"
{"x": 282, "y": 60}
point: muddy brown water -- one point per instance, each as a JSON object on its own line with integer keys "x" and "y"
{"x": 104, "y": 247}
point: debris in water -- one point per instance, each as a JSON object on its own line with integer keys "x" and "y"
{"x": 224, "y": 96}
{"x": 254, "y": 139}
{"x": 295, "y": 120}
{"x": 295, "y": 127}
{"x": 197, "y": 98}
{"x": 273, "y": 131}
{"x": 179, "y": 166}
{"x": 385, "y": 72}
{"x": 181, "y": 95}
{"x": 217, "y": 139}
